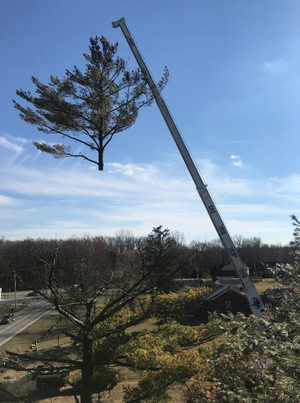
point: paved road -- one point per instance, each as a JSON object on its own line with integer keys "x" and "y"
{"x": 35, "y": 308}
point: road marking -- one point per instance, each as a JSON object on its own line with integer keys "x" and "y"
{"x": 11, "y": 324}
{"x": 23, "y": 328}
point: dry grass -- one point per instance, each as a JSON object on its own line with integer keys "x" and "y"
{"x": 46, "y": 330}
{"x": 262, "y": 286}
{"x": 148, "y": 326}
{"x": 44, "y": 338}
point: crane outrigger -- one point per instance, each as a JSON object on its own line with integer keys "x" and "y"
{"x": 254, "y": 299}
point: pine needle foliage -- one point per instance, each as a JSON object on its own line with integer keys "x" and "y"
{"x": 258, "y": 359}
{"x": 88, "y": 108}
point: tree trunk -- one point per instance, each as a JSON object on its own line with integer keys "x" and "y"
{"x": 87, "y": 370}
{"x": 100, "y": 160}
{"x": 100, "y": 150}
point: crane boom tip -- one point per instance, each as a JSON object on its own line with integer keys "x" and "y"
{"x": 116, "y": 24}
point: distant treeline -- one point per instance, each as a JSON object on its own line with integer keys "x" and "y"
{"x": 77, "y": 258}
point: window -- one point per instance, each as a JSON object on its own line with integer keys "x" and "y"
{"x": 207, "y": 304}
{"x": 227, "y": 305}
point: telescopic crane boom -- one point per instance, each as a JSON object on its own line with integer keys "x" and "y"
{"x": 254, "y": 299}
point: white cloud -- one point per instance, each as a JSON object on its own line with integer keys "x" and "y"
{"x": 287, "y": 188}
{"x": 273, "y": 67}
{"x": 270, "y": 231}
{"x": 67, "y": 224}
{"x": 9, "y": 145}
{"x": 72, "y": 199}
{"x": 147, "y": 182}
{"x": 6, "y": 200}
{"x": 252, "y": 209}
{"x": 21, "y": 140}
{"x": 190, "y": 219}
{"x": 236, "y": 160}
{"x": 127, "y": 169}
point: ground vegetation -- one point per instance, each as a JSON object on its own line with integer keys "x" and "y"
{"x": 111, "y": 295}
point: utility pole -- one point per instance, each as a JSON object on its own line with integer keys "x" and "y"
{"x": 15, "y": 285}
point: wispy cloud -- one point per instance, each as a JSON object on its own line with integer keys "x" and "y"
{"x": 7, "y": 200}
{"x": 69, "y": 198}
{"x": 273, "y": 67}
{"x": 236, "y": 160}
{"x": 68, "y": 224}
{"x": 16, "y": 139}
{"x": 127, "y": 169}
{"x": 285, "y": 188}
{"x": 10, "y": 146}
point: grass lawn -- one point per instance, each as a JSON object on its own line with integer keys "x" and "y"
{"x": 264, "y": 285}
{"x": 46, "y": 330}
{"x": 44, "y": 338}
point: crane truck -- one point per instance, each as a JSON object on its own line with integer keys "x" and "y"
{"x": 255, "y": 302}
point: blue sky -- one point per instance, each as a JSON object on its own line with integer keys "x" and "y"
{"x": 234, "y": 91}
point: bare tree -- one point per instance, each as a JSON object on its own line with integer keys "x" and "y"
{"x": 151, "y": 266}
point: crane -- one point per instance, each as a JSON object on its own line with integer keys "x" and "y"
{"x": 255, "y": 302}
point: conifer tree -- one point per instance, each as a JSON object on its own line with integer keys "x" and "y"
{"x": 88, "y": 108}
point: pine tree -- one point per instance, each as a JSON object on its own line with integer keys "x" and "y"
{"x": 88, "y": 108}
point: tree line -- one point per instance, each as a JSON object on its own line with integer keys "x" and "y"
{"x": 79, "y": 259}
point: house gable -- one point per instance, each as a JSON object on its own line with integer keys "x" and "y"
{"x": 227, "y": 299}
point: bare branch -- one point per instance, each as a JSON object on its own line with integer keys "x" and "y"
{"x": 74, "y": 363}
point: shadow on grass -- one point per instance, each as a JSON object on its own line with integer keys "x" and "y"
{"x": 64, "y": 352}
{"x": 51, "y": 384}
{"x": 193, "y": 320}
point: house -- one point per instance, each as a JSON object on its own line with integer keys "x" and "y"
{"x": 233, "y": 281}
{"x": 228, "y": 273}
{"x": 227, "y": 298}
{"x": 228, "y": 276}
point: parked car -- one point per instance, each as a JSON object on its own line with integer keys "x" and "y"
{"x": 32, "y": 294}
{"x": 8, "y": 318}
